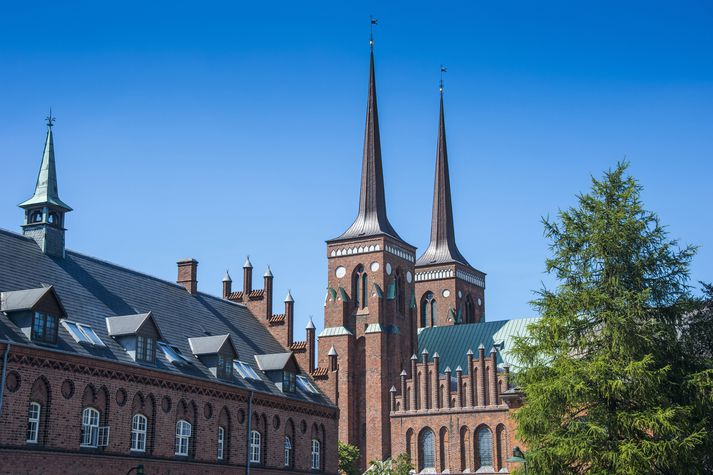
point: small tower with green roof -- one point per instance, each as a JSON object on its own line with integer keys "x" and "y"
{"x": 44, "y": 211}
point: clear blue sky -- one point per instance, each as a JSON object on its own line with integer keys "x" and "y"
{"x": 219, "y": 130}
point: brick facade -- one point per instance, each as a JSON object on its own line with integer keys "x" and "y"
{"x": 65, "y": 384}
{"x": 458, "y": 409}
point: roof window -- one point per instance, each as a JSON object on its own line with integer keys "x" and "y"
{"x": 82, "y": 333}
{"x": 245, "y": 370}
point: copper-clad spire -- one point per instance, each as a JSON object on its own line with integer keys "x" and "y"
{"x": 371, "y": 219}
{"x": 442, "y": 248}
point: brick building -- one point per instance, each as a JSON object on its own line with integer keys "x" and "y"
{"x": 105, "y": 368}
{"x": 384, "y": 306}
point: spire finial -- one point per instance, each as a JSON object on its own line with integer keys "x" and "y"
{"x": 50, "y": 120}
{"x": 443, "y": 70}
{"x": 372, "y": 21}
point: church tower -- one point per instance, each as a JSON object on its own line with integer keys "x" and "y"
{"x": 44, "y": 212}
{"x": 370, "y": 306}
{"x": 449, "y": 290}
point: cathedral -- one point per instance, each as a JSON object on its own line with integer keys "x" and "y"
{"x": 403, "y": 350}
{"x": 109, "y": 369}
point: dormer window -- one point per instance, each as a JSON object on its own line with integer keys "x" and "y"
{"x": 225, "y": 367}
{"x": 137, "y": 334}
{"x": 44, "y": 328}
{"x": 217, "y": 353}
{"x": 288, "y": 381}
{"x": 145, "y": 349}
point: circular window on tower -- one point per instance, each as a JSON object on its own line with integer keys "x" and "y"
{"x": 374, "y": 266}
{"x": 340, "y": 272}
{"x": 388, "y": 268}
{"x": 446, "y": 293}
{"x": 480, "y": 302}
{"x": 409, "y": 276}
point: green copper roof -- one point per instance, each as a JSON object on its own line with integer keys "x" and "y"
{"x": 452, "y": 342}
{"x": 46, "y": 187}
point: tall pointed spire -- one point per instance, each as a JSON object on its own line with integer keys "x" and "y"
{"x": 371, "y": 219}
{"x": 442, "y": 248}
{"x": 46, "y": 187}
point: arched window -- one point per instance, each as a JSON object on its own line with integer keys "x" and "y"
{"x": 465, "y": 453}
{"x": 409, "y": 443}
{"x": 501, "y": 445}
{"x": 399, "y": 292}
{"x": 183, "y": 437}
{"x": 221, "y": 443}
{"x": 255, "y": 447}
{"x": 443, "y": 449}
{"x": 469, "y": 309}
{"x": 53, "y": 218}
{"x": 428, "y": 310}
{"x": 485, "y": 447}
{"x": 288, "y": 452}
{"x": 315, "y": 455}
{"x": 33, "y": 422}
{"x": 90, "y": 427}
{"x": 359, "y": 287}
{"x": 138, "y": 433}
{"x": 427, "y": 450}
{"x": 36, "y": 216}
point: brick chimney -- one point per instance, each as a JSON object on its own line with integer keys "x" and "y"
{"x": 188, "y": 275}
{"x": 289, "y": 316}
{"x": 227, "y": 285}
{"x": 310, "y": 331}
{"x": 247, "y": 279}
{"x": 267, "y": 285}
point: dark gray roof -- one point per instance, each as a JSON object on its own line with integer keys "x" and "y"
{"x": 22, "y": 299}
{"x": 442, "y": 248}
{"x": 92, "y": 290}
{"x": 272, "y": 362}
{"x": 371, "y": 219}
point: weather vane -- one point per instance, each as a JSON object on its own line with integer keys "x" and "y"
{"x": 373, "y": 21}
{"x": 443, "y": 70}
{"x": 50, "y": 120}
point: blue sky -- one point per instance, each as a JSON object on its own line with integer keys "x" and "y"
{"x": 216, "y": 130}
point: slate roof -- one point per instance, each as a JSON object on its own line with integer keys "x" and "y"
{"x": 92, "y": 290}
{"x": 452, "y": 342}
{"x": 126, "y": 324}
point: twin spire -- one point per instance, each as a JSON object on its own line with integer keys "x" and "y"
{"x": 372, "y": 220}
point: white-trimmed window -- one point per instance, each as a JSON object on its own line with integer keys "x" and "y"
{"x": 138, "y": 433}
{"x": 33, "y": 422}
{"x": 315, "y": 455}
{"x": 245, "y": 370}
{"x": 90, "y": 427}
{"x": 288, "y": 452}
{"x": 183, "y": 437}
{"x": 145, "y": 349}
{"x": 255, "y": 448}
{"x": 221, "y": 442}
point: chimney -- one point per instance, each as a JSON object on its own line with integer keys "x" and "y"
{"x": 247, "y": 279}
{"x": 227, "y": 285}
{"x": 267, "y": 285}
{"x": 289, "y": 316}
{"x": 310, "y": 330}
{"x": 188, "y": 275}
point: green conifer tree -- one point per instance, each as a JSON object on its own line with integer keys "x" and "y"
{"x": 602, "y": 394}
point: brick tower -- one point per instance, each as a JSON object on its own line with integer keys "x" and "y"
{"x": 369, "y": 308}
{"x": 448, "y": 289}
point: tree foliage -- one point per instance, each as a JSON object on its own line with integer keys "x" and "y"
{"x": 401, "y": 465}
{"x": 348, "y": 458}
{"x": 603, "y": 371}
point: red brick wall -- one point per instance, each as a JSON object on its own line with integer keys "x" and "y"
{"x": 120, "y": 384}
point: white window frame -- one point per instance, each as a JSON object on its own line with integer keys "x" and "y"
{"x": 183, "y": 437}
{"x": 306, "y": 385}
{"x": 245, "y": 370}
{"x": 139, "y": 425}
{"x": 90, "y": 427}
{"x": 82, "y": 333}
{"x": 288, "y": 451}
{"x": 221, "y": 442}
{"x": 103, "y": 436}
{"x": 255, "y": 447}
{"x": 34, "y": 412}
{"x": 316, "y": 462}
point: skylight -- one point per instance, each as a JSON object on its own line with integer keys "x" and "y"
{"x": 82, "y": 333}
{"x": 306, "y": 385}
{"x": 172, "y": 354}
{"x": 245, "y": 370}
